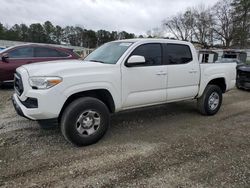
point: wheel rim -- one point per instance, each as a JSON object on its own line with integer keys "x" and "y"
{"x": 213, "y": 100}
{"x": 88, "y": 122}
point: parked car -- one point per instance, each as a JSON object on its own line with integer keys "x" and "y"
{"x": 118, "y": 76}
{"x": 243, "y": 77}
{"x": 16, "y": 56}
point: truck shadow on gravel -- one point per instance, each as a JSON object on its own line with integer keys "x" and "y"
{"x": 154, "y": 113}
{"x": 137, "y": 120}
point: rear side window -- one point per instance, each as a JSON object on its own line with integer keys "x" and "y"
{"x": 25, "y": 52}
{"x": 48, "y": 52}
{"x": 177, "y": 54}
{"x": 151, "y": 52}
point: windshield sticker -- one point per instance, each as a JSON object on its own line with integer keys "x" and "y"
{"x": 125, "y": 44}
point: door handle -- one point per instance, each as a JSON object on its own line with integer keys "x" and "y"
{"x": 193, "y": 71}
{"x": 161, "y": 73}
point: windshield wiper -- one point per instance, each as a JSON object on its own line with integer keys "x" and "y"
{"x": 96, "y": 61}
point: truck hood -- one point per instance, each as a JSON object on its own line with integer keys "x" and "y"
{"x": 61, "y": 67}
{"x": 245, "y": 68}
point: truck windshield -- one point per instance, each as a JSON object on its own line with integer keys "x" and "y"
{"x": 108, "y": 53}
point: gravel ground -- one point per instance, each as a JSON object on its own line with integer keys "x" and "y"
{"x": 166, "y": 146}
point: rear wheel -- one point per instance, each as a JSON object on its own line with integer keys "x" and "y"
{"x": 85, "y": 121}
{"x": 209, "y": 103}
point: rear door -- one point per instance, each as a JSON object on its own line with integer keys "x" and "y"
{"x": 183, "y": 72}
{"x": 17, "y": 57}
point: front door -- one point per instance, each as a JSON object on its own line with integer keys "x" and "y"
{"x": 145, "y": 84}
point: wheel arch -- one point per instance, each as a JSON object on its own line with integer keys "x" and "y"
{"x": 219, "y": 81}
{"x": 102, "y": 94}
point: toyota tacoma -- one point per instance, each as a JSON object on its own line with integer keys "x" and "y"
{"x": 118, "y": 76}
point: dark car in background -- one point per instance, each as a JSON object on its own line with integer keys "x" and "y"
{"x": 243, "y": 77}
{"x": 16, "y": 56}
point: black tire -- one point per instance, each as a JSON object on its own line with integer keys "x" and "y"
{"x": 48, "y": 124}
{"x": 203, "y": 101}
{"x": 71, "y": 116}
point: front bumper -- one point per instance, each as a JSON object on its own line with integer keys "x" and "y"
{"x": 17, "y": 107}
{"x": 20, "y": 108}
{"x": 46, "y": 109}
{"x": 36, "y": 104}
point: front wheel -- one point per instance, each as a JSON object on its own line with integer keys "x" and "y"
{"x": 85, "y": 121}
{"x": 209, "y": 103}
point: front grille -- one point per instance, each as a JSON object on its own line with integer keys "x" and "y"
{"x": 18, "y": 84}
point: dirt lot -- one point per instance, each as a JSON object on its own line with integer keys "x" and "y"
{"x": 166, "y": 146}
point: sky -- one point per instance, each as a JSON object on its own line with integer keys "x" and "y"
{"x": 135, "y": 16}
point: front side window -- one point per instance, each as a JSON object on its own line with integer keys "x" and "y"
{"x": 25, "y": 52}
{"x": 177, "y": 54}
{"x": 151, "y": 52}
{"x": 48, "y": 52}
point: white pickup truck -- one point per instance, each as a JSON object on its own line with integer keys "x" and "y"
{"x": 81, "y": 94}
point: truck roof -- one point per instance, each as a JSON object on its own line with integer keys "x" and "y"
{"x": 154, "y": 40}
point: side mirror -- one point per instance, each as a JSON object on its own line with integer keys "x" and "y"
{"x": 5, "y": 57}
{"x": 136, "y": 60}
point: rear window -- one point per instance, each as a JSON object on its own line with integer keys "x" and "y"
{"x": 177, "y": 54}
{"x": 48, "y": 52}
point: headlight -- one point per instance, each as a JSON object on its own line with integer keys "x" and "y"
{"x": 44, "y": 82}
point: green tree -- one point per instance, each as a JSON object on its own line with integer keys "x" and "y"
{"x": 13, "y": 33}
{"x": 125, "y": 35}
{"x": 103, "y": 36}
{"x": 2, "y": 31}
{"x": 68, "y": 31}
{"x": 114, "y": 35}
{"x": 90, "y": 39}
{"x": 58, "y": 34}
{"x": 37, "y": 33}
{"x": 49, "y": 30}
{"x": 24, "y": 33}
{"x": 48, "y": 33}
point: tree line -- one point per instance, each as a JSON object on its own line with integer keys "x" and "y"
{"x": 48, "y": 33}
{"x": 226, "y": 24}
